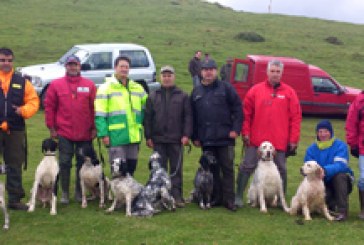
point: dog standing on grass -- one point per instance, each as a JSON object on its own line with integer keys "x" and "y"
{"x": 123, "y": 186}
{"x": 46, "y": 178}
{"x": 203, "y": 182}
{"x": 92, "y": 177}
{"x": 310, "y": 195}
{"x": 266, "y": 186}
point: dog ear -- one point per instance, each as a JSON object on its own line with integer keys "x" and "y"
{"x": 320, "y": 173}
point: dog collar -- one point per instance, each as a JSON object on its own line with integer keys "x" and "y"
{"x": 50, "y": 154}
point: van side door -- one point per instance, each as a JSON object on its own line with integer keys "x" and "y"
{"x": 327, "y": 96}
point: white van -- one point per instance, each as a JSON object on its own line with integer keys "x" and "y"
{"x": 97, "y": 62}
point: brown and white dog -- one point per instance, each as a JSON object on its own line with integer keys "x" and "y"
{"x": 92, "y": 177}
{"x": 310, "y": 195}
{"x": 266, "y": 186}
{"x": 46, "y": 178}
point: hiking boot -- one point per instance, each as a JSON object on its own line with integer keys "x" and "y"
{"x": 65, "y": 198}
{"x": 18, "y": 206}
{"x": 180, "y": 203}
{"x": 241, "y": 183}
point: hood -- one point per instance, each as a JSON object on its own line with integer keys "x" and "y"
{"x": 351, "y": 90}
{"x": 44, "y": 71}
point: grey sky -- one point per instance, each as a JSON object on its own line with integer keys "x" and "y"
{"x": 339, "y": 10}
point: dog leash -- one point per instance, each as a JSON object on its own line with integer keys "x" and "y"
{"x": 100, "y": 153}
{"x": 180, "y": 158}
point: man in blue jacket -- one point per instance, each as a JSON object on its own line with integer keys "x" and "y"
{"x": 332, "y": 155}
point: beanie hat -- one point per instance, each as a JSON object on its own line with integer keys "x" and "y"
{"x": 326, "y": 124}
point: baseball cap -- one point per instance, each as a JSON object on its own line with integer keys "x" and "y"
{"x": 73, "y": 59}
{"x": 167, "y": 69}
{"x": 208, "y": 64}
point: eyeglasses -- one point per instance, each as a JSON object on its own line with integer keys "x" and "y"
{"x": 8, "y": 60}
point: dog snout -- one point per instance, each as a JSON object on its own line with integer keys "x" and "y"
{"x": 302, "y": 171}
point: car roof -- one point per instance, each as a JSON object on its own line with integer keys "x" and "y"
{"x": 266, "y": 59}
{"x": 108, "y": 46}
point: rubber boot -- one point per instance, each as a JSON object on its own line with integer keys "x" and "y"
{"x": 241, "y": 183}
{"x": 65, "y": 184}
{"x": 78, "y": 193}
{"x": 361, "y": 200}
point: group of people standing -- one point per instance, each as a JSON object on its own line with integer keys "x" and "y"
{"x": 211, "y": 117}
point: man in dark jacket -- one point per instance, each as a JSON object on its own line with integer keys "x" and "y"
{"x": 195, "y": 68}
{"x": 217, "y": 119}
{"x": 168, "y": 127}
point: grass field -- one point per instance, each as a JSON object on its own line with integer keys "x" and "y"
{"x": 40, "y": 31}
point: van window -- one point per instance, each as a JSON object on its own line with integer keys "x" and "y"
{"x": 241, "y": 72}
{"x": 324, "y": 85}
{"x": 138, "y": 58}
{"x": 100, "y": 61}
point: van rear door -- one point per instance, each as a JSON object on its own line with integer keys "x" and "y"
{"x": 241, "y": 77}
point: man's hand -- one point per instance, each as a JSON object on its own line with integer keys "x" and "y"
{"x": 106, "y": 140}
{"x": 197, "y": 143}
{"x": 17, "y": 109}
{"x": 185, "y": 140}
{"x": 354, "y": 151}
{"x": 53, "y": 133}
{"x": 246, "y": 140}
{"x": 93, "y": 133}
{"x": 233, "y": 135}
{"x": 291, "y": 149}
{"x": 150, "y": 143}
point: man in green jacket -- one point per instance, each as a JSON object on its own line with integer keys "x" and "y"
{"x": 119, "y": 107}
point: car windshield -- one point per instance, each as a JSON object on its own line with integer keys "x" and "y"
{"x": 80, "y": 53}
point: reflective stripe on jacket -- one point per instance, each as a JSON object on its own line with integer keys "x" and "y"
{"x": 120, "y": 111}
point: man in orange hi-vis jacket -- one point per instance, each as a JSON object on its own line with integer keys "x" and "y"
{"x": 18, "y": 101}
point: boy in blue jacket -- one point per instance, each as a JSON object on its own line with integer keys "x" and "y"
{"x": 332, "y": 155}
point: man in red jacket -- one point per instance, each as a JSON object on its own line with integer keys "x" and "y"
{"x": 272, "y": 113}
{"x": 355, "y": 138}
{"x": 69, "y": 115}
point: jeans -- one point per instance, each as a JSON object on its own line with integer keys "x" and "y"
{"x": 361, "y": 173}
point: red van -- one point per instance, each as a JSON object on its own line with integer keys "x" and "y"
{"x": 318, "y": 92}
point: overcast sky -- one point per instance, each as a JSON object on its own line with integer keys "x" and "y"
{"x": 340, "y": 10}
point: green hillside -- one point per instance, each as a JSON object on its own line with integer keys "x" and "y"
{"x": 40, "y": 31}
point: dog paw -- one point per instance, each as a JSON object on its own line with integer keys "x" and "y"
{"x": 101, "y": 205}
{"x": 53, "y": 212}
{"x": 128, "y": 214}
{"x": 31, "y": 209}
{"x": 84, "y": 205}
{"x": 264, "y": 210}
{"x": 208, "y": 206}
{"x": 6, "y": 227}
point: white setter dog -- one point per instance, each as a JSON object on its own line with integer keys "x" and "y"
{"x": 92, "y": 177}
{"x": 123, "y": 186}
{"x": 310, "y": 195}
{"x": 266, "y": 186}
{"x": 3, "y": 207}
{"x": 46, "y": 178}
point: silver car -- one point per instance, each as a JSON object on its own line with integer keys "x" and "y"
{"x": 97, "y": 62}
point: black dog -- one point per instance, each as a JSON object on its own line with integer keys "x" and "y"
{"x": 203, "y": 181}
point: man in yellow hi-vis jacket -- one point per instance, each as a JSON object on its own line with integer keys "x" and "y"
{"x": 119, "y": 108}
